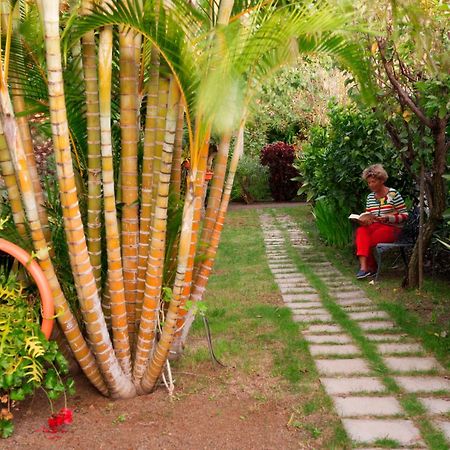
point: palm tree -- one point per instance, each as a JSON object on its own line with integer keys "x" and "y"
{"x": 195, "y": 68}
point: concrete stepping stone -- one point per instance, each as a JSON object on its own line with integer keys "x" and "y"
{"x": 355, "y": 301}
{"x": 436, "y": 405}
{"x": 385, "y": 337}
{"x": 284, "y": 271}
{"x": 304, "y": 305}
{"x": 306, "y": 288}
{"x": 444, "y": 426}
{"x": 367, "y": 406}
{"x": 399, "y": 348}
{"x": 324, "y": 329}
{"x": 308, "y": 311}
{"x": 289, "y": 276}
{"x": 359, "y": 308}
{"x": 300, "y": 297}
{"x": 346, "y": 349}
{"x": 370, "y": 430}
{"x": 284, "y": 267}
{"x": 380, "y": 325}
{"x": 369, "y": 315}
{"x": 355, "y": 294}
{"x": 328, "y": 338}
{"x": 295, "y": 290}
{"x": 423, "y": 384}
{"x": 411, "y": 364}
{"x": 352, "y": 385}
{"x": 311, "y": 318}
{"x": 354, "y": 366}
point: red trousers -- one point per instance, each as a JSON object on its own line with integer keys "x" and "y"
{"x": 369, "y": 236}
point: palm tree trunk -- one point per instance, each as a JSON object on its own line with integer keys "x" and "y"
{"x": 65, "y": 317}
{"x": 185, "y": 261}
{"x": 154, "y": 275}
{"x": 94, "y": 197}
{"x": 175, "y": 177}
{"x": 116, "y": 289}
{"x": 118, "y": 384}
{"x": 208, "y": 262}
{"x": 129, "y": 115}
{"x": 9, "y": 177}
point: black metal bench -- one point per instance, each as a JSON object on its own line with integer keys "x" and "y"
{"x": 406, "y": 240}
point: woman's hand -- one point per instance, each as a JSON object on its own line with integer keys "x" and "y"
{"x": 383, "y": 219}
{"x": 367, "y": 219}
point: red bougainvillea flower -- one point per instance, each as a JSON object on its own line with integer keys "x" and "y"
{"x": 67, "y": 415}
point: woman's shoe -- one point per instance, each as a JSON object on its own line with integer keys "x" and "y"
{"x": 363, "y": 274}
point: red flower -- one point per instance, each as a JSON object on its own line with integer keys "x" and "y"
{"x": 67, "y": 415}
{"x": 56, "y": 422}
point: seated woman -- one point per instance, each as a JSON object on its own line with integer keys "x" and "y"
{"x": 387, "y": 214}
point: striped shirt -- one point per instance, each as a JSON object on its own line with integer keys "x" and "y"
{"x": 391, "y": 204}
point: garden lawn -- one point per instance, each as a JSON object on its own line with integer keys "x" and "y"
{"x": 267, "y": 395}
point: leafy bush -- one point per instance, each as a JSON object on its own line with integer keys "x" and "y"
{"x": 332, "y": 223}
{"x": 27, "y": 360}
{"x": 251, "y": 181}
{"x": 279, "y": 157}
{"x": 332, "y": 162}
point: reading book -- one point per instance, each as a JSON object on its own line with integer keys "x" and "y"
{"x": 359, "y": 216}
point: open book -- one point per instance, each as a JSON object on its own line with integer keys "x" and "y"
{"x": 359, "y": 216}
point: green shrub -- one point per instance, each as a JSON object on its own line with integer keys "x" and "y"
{"x": 332, "y": 162}
{"x": 252, "y": 181}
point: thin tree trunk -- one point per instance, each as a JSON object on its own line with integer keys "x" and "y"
{"x": 118, "y": 384}
{"x": 175, "y": 177}
{"x": 129, "y": 115}
{"x": 154, "y": 275}
{"x": 116, "y": 289}
{"x": 147, "y": 179}
{"x": 94, "y": 200}
{"x": 208, "y": 262}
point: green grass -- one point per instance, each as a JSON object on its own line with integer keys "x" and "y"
{"x": 254, "y": 333}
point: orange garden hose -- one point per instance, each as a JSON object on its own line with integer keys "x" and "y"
{"x": 48, "y": 308}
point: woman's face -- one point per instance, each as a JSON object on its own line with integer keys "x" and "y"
{"x": 374, "y": 184}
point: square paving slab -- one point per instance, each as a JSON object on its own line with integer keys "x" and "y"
{"x": 410, "y": 364}
{"x": 371, "y": 430}
{"x": 367, "y": 406}
{"x": 423, "y": 384}
{"x": 354, "y": 366}
{"x": 352, "y": 385}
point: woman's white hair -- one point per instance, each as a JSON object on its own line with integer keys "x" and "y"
{"x": 376, "y": 171}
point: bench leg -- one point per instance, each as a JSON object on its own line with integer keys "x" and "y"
{"x": 378, "y": 258}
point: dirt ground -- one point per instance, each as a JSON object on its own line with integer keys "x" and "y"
{"x": 210, "y": 409}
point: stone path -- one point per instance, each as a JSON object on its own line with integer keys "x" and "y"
{"x": 371, "y": 413}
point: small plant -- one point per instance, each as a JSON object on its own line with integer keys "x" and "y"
{"x": 332, "y": 223}
{"x": 279, "y": 157}
{"x": 27, "y": 359}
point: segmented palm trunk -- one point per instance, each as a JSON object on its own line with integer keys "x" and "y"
{"x": 185, "y": 260}
{"x": 154, "y": 275}
{"x": 175, "y": 177}
{"x": 206, "y": 266}
{"x": 22, "y": 123}
{"x": 116, "y": 290}
{"x": 129, "y": 108}
{"x": 118, "y": 384}
{"x": 147, "y": 180}
{"x": 94, "y": 196}
{"x": 65, "y": 317}
{"x": 9, "y": 178}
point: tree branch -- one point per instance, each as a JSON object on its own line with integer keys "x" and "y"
{"x": 399, "y": 89}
